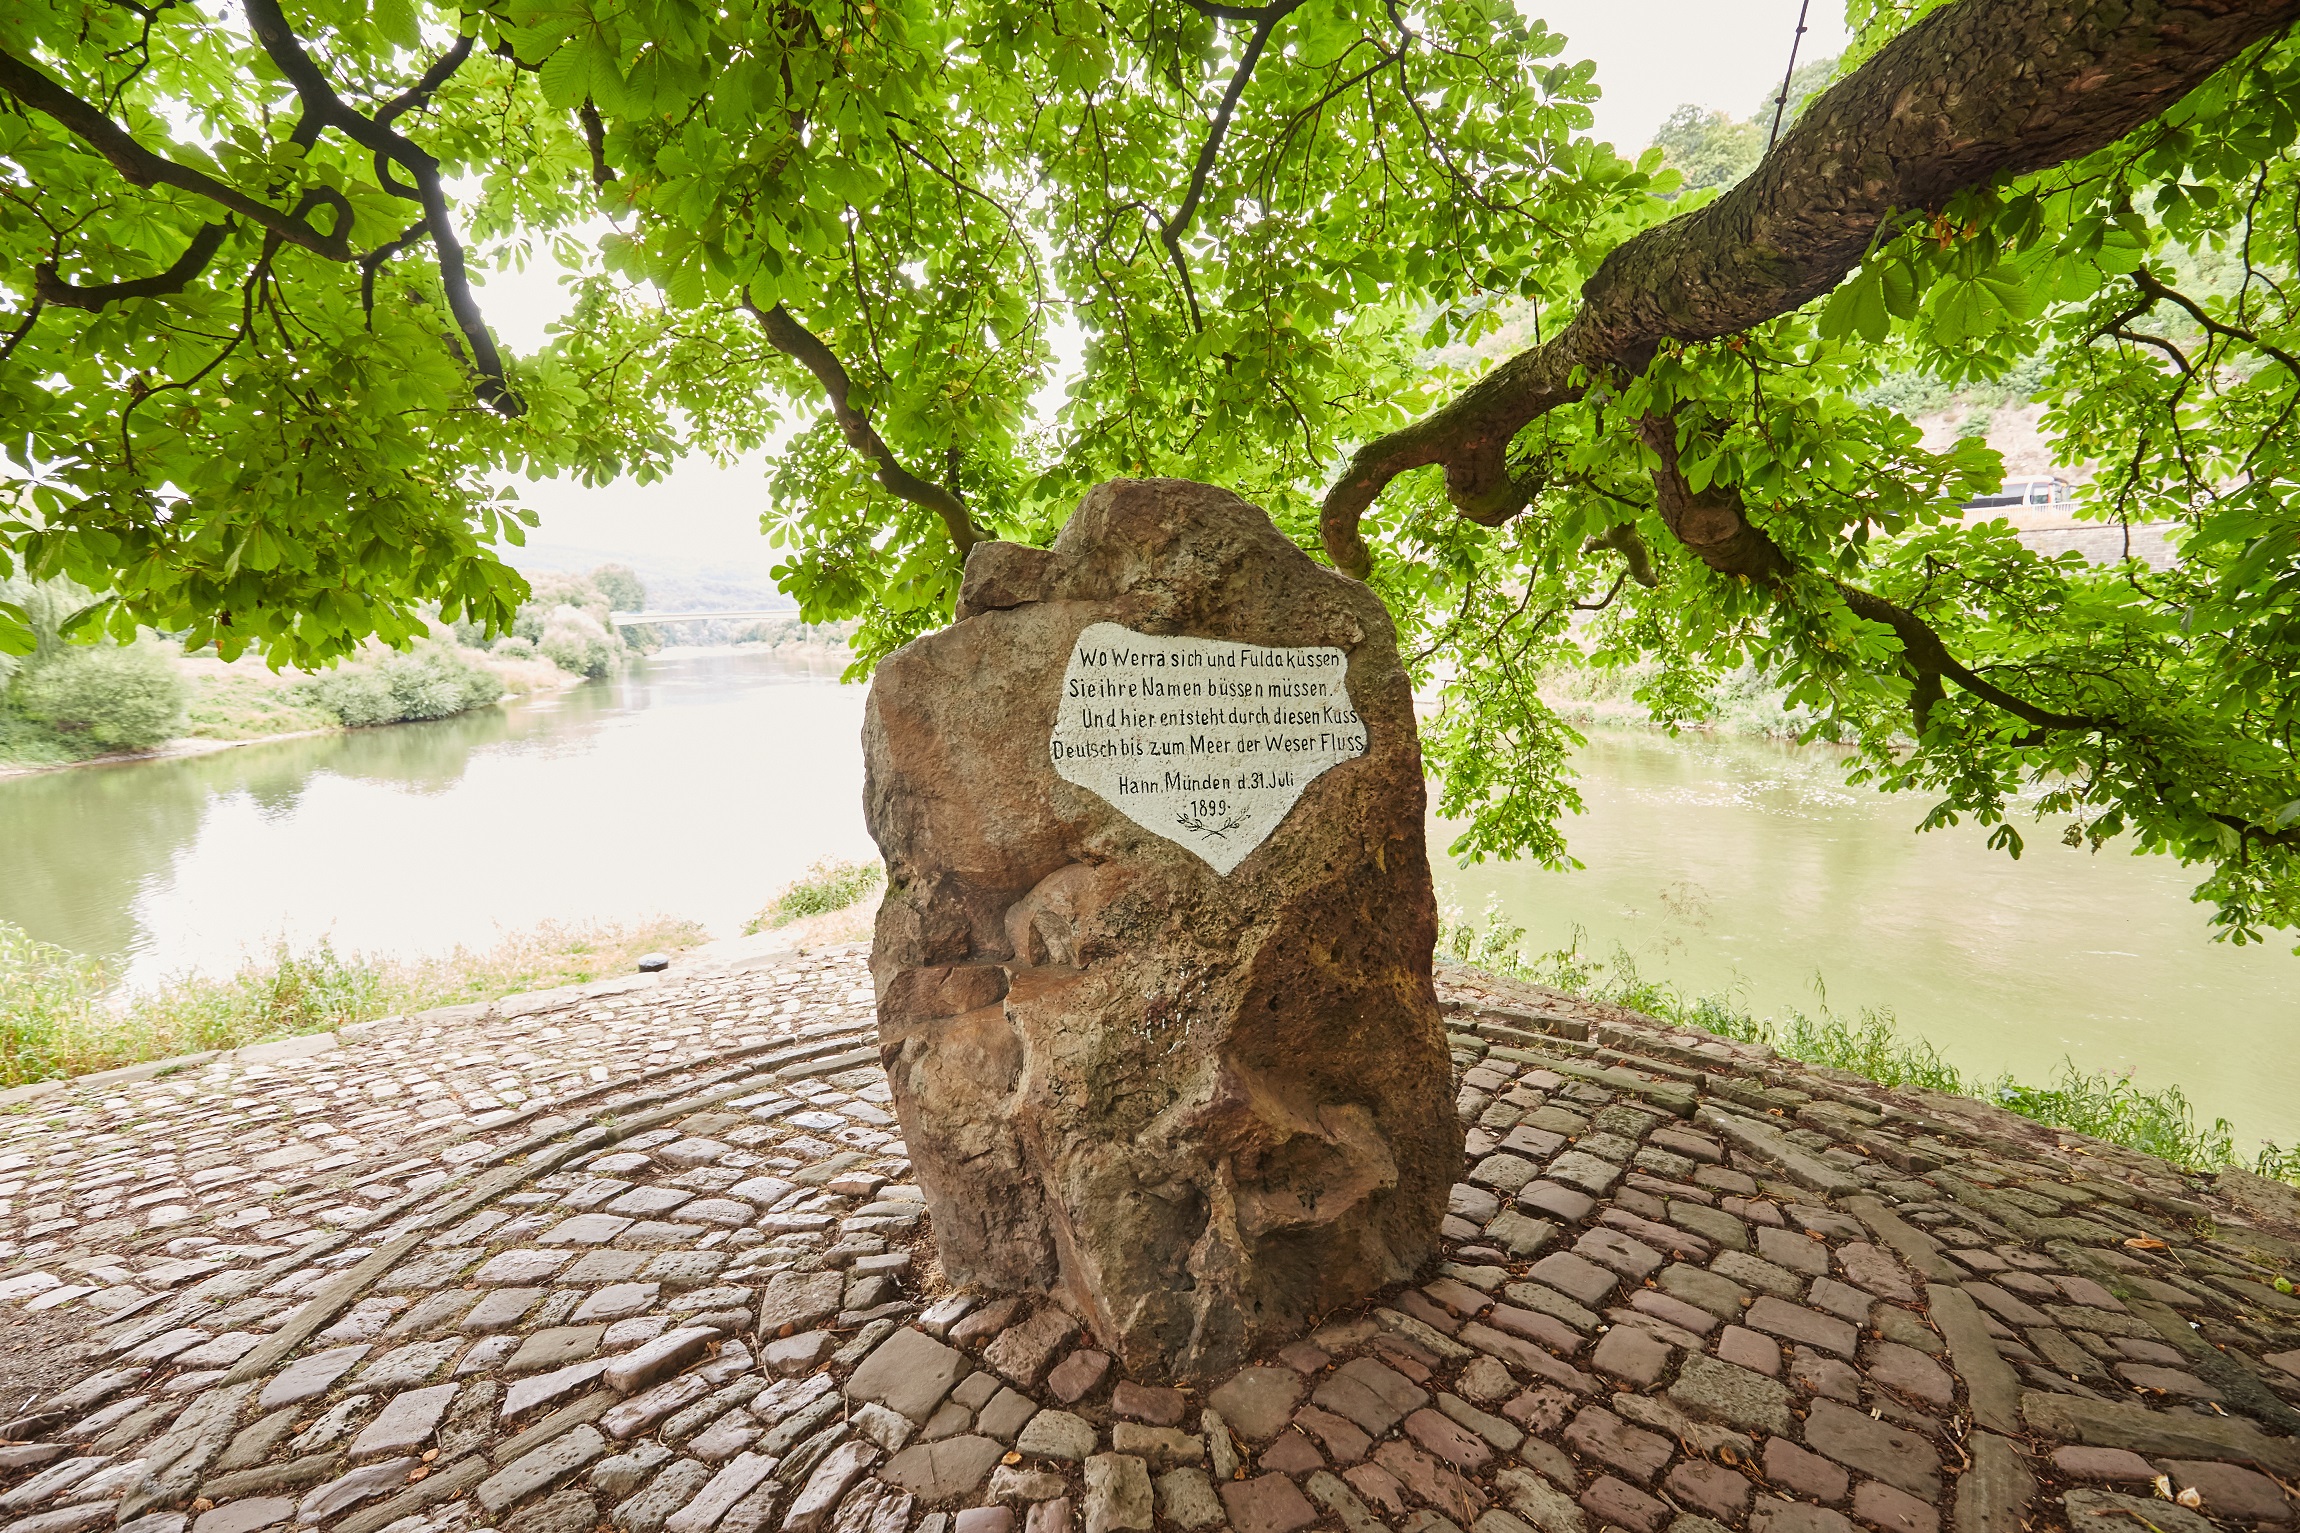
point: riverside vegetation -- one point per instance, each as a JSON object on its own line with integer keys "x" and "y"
{"x": 61, "y": 1013}
{"x": 73, "y": 701}
{"x": 2161, "y": 1122}
{"x": 59, "y": 1016}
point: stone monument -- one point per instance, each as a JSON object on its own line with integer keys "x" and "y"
{"x": 1154, "y": 961}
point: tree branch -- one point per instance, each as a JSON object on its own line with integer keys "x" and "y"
{"x": 804, "y": 347}
{"x": 323, "y": 106}
{"x": 1171, "y": 231}
{"x": 202, "y": 249}
{"x": 142, "y": 167}
{"x": 1964, "y": 96}
{"x": 595, "y": 139}
{"x": 419, "y": 94}
{"x": 2145, "y": 280}
{"x": 16, "y": 336}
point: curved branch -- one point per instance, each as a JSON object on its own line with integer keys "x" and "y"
{"x": 804, "y": 347}
{"x": 1710, "y": 524}
{"x": 1624, "y": 539}
{"x": 1964, "y": 96}
{"x": 595, "y": 139}
{"x": 202, "y": 249}
{"x": 323, "y": 106}
{"x": 372, "y": 263}
{"x": 142, "y": 167}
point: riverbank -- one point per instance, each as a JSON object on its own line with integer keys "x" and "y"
{"x": 244, "y": 702}
{"x": 62, "y": 1014}
{"x": 2157, "y": 1120}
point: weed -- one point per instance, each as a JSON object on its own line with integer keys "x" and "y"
{"x": 61, "y": 1014}
{"x": 828, "y": 885}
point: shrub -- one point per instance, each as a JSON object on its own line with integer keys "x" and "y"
{"x": 826, "y": 886}
{"x": 574, "y": 640}
{"x": 431, "y": 683}
{"x": 514, "y": 648}
{"x": 112, "y": 697}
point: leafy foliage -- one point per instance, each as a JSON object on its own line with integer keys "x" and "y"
{"x": 253, "y": 400}
{"x": 434, "y": 682}
{"x": 103, "y": 697}
{"x": 828, "y": 885}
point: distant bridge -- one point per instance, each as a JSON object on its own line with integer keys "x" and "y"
{"x": 620, "y": 618}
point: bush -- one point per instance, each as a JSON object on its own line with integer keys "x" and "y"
{"x": 514, "y": 648}
{"x": 573, "y": 640}
{"x": 112, "y": 697}
{"x": 431, "y": 683}
{"x": 827, "y": 886}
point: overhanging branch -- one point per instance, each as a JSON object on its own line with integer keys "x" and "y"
{"x": 804, "y": 347}
{"x": 324, "y": 107}
{"x": 1171, "y": 231}
{"x": 202, "y": 249}
{"x": 142, "y": 167}
{"x": 1967, "y": 94}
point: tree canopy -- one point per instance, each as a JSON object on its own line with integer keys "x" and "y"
{"x": 250, "y": 393}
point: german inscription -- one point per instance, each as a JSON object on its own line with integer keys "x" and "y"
{"x": 1205, "y": 742}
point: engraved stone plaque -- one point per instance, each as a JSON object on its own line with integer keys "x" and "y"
{"x": 1206, "y": 742}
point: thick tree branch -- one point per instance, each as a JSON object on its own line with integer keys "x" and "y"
{"x": 1171, "y": 231}
{"x": 1969, "y": 93}
{"x": 202, "y": 249}
{"x": 804, "y": 347}
{"x": 1711, "y": 524}
{"x": 142, "y": 167}
{"x": 323, "y": 106}
{"x": 595, "y": 139}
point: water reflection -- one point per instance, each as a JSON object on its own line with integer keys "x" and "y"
{"x": 691, "y": 785}
{"x": 695, "y": 785}
{"x": 1749, "y": 867}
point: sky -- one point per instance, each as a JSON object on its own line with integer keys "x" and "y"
{"x": 1652, "y": 55}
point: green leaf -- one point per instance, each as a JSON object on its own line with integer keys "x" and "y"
{"x": 16, "y": 635}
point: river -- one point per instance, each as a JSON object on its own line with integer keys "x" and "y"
{"x": 696, "y": 784}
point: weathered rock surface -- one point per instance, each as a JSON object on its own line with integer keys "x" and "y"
{"x": 1200, "y": 1107}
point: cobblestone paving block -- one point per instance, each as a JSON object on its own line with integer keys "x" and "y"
{"x": 414, "y": 1235}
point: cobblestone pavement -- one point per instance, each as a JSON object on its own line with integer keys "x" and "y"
{"x": 642, "y": 1256}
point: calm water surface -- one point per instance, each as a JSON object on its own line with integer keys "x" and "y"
{"x": 696, "y": 785}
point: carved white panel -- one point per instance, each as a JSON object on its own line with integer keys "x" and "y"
{"x": 1205, "y": 742}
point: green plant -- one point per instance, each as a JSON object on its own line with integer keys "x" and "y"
{"x": 2109, "y": 1107}
{"x": 576, "y": 641}
{"x": 2114, "y": 1108}
{"x": 827, "y": 886}
{"x": 433, "y": 682}
{"x": 103, "y": 696}
{"x": 62, "y": 1014}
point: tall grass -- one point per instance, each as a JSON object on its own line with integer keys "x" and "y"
{"x": 61, "y": 1014}
{"x": 827, "y": 886}
{"x": 2114, "y": 1108}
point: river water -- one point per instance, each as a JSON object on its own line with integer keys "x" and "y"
{"x": 696, "y": 784}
